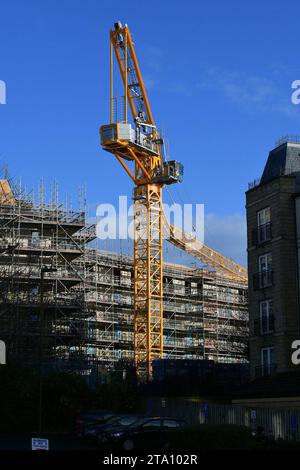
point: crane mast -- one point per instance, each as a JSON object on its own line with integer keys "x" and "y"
{"x": 138, "y": 147}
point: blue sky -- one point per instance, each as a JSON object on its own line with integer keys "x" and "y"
{"x": 219, "y": 80}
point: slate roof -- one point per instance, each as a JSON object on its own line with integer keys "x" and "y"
{"x": 283, "y": 160}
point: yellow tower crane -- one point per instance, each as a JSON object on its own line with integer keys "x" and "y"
{"x": 139, "y": 149}
{"x": 141, "y": 144}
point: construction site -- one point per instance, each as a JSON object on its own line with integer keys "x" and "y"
{"x": 149, "y": 231}
{"x": 54, "y": 282}
{"x": 69, "y": 304}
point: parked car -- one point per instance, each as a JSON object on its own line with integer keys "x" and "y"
{"x": 152, "y": 433}
{"x": 89, "y": 417}
{"x": 102, "y": 433}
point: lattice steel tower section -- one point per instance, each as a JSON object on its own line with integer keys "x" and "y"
{"x": 139, "y": 148}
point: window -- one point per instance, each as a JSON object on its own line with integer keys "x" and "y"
{"x": 154, "y": 423}
{"x": 263, "y": 216}
{"x": 125, "y": 278}
{"x": 265, "y": 277}
{"x": 194, "y": 289}
{"x": 267, "y": 361}
{"x": 266, "y": 316}
{"x": 33, "y": 294}
{"x": 118, "y": 333}
{"x": 263, "y": 225}
{"x": 118, "y": 353}
{"x": 189, "y": 339}
{"x": 179, "y": 286}
{"x": 170, "y": 423}
{"x": 126, "y": 421}
{"x": 35, "y": 238}
{"x": 265, "y": 262}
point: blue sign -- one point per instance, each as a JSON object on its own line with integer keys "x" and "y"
{"x": 205, "y": 410}
{"x": 39, "y": 444}
{"x": 294, "y": 422}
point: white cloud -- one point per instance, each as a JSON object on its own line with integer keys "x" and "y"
{"x": 248, "y": 91}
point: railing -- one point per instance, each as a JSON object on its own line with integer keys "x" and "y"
{"x": 29, "y": 298}
{"x": 45, "y": 243}
{"x": 262, "y": 234}
{"x": 263, "y": 279}
{"x": 183, "y": 308}
{"x": 45, "y": 213}
{"x": 34, "y": 272}
{"x": 293, "y": 139}
{"x": 254, "y": 183}
{"x": 109, "y": 279}
{"x": 264, "y": 326}
{"x": 87, "y": 233}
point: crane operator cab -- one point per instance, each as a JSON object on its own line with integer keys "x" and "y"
{"x": 119, "y": 135}
{"x": 172, "y": 172}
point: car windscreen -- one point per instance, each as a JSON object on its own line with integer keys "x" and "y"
{"x": 152, "y": 423}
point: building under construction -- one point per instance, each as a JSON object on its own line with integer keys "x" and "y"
{"x": 205, "y": 316}
{"x": 69, "y": 305}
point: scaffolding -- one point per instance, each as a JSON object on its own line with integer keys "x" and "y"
{"x": 38, "y": 273}
{"x": 86, "y": 294}
{"x": 205, "y": 314}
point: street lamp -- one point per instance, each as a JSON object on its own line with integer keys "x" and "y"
{"x": 44, "y": 269}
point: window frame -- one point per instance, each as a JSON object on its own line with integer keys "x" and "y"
{"x": 268, "y": 264}
{"x": 270, "y": 359}
{"x": 144, "y": 425}
{"x": 177, "y": 425}
{"x": 269, "y": 313}
{"x": 263, "y": 211}
{"x": 265, "y": 270}
{"x": 263, "y": 223}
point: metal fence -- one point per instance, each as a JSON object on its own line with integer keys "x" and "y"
{"x": 281, "y": 423}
